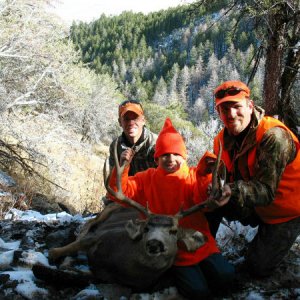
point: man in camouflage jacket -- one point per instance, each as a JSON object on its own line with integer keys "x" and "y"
{"x": 262, "y": 158}
{"x": 144, "y": 150}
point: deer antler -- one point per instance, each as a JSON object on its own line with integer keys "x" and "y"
{"x": 216, "y": 191}
{"x": 119, "y": 193}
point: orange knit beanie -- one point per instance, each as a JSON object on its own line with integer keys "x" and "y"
{"x": 169, "y": 141}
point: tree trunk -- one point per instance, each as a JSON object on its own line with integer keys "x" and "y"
{"x": 286, "y": 107}
{"x": 282, "y": 64}
{"x": 273, "y": 67}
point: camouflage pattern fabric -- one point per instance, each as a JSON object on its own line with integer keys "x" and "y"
{"x": 275, "y": 151}
{"x": 143, "y": 157}
{"x": 144, "y": 151}
{"x": 270, "y": 246}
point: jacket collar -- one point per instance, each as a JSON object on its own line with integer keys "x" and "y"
{"x": 182, "y": 172}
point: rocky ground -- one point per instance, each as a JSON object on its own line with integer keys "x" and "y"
{"x": 25, "y": 238}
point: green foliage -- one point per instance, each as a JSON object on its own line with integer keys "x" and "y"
{"x": 135, "y": 36}
{"x": 139, "y": 51}
{"x": 156, "y": 115}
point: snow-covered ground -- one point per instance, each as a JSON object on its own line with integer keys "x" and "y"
{"x": 22, "y": 245}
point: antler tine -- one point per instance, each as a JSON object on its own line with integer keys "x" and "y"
{"x": 183, "y": 213}
{"x": 119, "y": 193}
{"x": 216, "y": 188}
{"x": 214, "y": 192}
{"x": 224, "y": 174}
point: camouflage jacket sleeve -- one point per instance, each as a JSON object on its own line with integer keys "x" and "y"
{"x": 274, "y": 152}
{"x": 111, "y": 155}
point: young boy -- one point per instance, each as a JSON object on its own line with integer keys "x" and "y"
{"x": 166, "y": 190}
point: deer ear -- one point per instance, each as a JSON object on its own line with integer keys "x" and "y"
{"x": 191, "y": 239}
{"x": 134, "y": 230}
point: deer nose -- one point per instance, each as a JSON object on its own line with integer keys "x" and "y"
{"x": 155, "y": 247}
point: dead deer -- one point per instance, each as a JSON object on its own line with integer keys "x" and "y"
{"x": 121, "y": 246}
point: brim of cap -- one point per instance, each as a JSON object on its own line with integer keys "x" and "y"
{"x": 236, "y": 98}
{"x": 136, "y": 110}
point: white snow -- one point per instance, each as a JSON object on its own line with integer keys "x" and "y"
{"x": 226, "y": 234}
{"x": 20, "y": 275}
{"x": 26, "y": 283}
{"x": 90, "y": 291}
{"x": 254, "y": 296}
{"x": 31, "y": 258}
{"x": 31, "y": 215}
{"x": 6, "y": 259}
{"x": 30, "y": 291}
{"x": 10, "y": 245}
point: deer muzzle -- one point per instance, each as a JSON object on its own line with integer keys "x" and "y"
{"x": 155, "y": 247}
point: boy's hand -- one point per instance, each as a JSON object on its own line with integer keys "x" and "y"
{"x": 206, "y": 164}
{"x": 126, "y": 156}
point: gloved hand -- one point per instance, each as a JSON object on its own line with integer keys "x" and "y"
{"x": 206, "y": 164}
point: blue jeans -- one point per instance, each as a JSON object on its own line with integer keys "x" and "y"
{"x": 200, "y": 280}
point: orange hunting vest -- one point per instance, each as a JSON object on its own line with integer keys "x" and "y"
{"x": 286, "y": 205}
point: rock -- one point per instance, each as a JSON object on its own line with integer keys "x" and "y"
{"x": 43, "y": 205}
{"x": 61, "y": 237}
{"x": 6, "y": 181}
{"x": 61, "y": 279}
{"x": 7, "y": 202}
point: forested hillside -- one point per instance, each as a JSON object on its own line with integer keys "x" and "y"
{"x": 174, "y": 57}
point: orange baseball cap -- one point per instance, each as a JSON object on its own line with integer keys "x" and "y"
{"x": 233, "y": 90}
{"x": 131, "y": 105}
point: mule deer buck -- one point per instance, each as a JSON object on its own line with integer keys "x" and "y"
{"x": 125, "y": 249}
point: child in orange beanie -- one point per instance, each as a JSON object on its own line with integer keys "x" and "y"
{"x": 167, "y": 189}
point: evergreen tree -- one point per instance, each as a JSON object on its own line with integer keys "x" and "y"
{"x": 206, "y": 92}
{"x": 161, "y": 93}
{"x": 183, "y": 84}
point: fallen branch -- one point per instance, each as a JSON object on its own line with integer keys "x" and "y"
{"x": 11, "y": 153}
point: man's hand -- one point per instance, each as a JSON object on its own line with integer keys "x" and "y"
{"x": 126, "y": 156}
{"x": 224, "y": 199}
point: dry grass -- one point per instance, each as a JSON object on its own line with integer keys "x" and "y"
{"x": 74, "y": 166}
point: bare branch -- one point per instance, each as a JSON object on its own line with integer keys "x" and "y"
{"x": 7, "y": 6}
{"x": 11, "y": 153}
{"x": 3, "y": 54}
{"x": 28, "y": 94}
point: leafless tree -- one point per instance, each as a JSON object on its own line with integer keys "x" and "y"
{"x": 46, "y": 95}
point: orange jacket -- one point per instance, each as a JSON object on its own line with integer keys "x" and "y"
{"x": 286, "y": 205}
{"x": 166, "y": 193}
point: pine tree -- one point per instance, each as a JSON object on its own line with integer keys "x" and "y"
{"x": 183, "y": 84}
{"x": 161, "y": 93}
